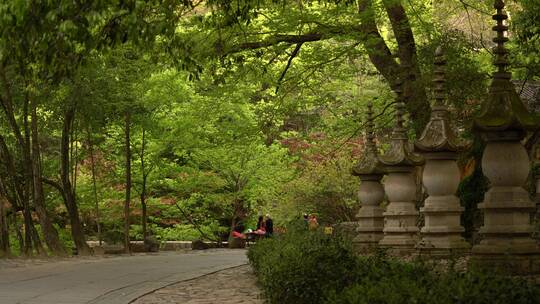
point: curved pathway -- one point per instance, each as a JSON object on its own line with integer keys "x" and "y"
{"x": 116, "y": 279}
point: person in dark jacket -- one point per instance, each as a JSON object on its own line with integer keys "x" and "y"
{"x": 269, "y": 225}
{"x": 260, "y": 223}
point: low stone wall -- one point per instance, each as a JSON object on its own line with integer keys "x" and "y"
{"x": 138, "y": 246}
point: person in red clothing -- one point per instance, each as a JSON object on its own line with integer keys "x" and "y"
{"x": 313, "y": 224}
{"x": 261, "y": 226}
{"x": 238, "y": 231}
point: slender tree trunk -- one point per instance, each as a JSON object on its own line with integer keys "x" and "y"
{"x": 17, "y": 227}
{"x": 77, "y": 231}
{"x": 24, "y": 146}
{"x": 29, "y": 176}
{"x": 94, "y": 185}
{"x": 75, "y": 151}
{"x": 18, "y": 199}
{"x": 49, "y": 232}
{"x": 38, "y": 246}
{"x": 143, "y": 191}
{"x": 5, "y": 249}
{"x": 128, "y": 182}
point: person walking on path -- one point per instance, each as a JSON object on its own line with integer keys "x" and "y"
{"x": 269, "y": 225}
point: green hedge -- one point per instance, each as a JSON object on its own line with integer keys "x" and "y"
{"x": 310, "y": 267}
{"x": 299, "y": 267}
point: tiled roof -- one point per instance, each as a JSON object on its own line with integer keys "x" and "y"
{"x": 529, "y": 93}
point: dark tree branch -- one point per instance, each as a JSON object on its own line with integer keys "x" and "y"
{"x": 274, "y": 40}
{"x": 57, "y": 186}
{"x": 360, "y": 127}
{"x": 289, "y": 62}
{"x": 190, "y": 220}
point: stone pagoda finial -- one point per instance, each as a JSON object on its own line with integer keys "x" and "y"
{"x": 400, "y": 152}
{"x": 500, "y": 50}
{"x": 439, "y": 79}
{"x": 438, "y": 135}
{"x": 370, "y": 133}
{"x": 369, "y": 163}
{"x": 504, "y": 109}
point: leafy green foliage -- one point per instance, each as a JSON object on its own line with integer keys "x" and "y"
{"x": 300, "y": 266}
{"x": 527, "y": 27}
{"x": 308, "y": 267}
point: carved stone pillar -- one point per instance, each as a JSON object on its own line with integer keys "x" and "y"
{"x": 503, "y": 120}
{"x": 441, "y": 233}
{"x": 370, "y": 193}
{"x": 400, "y": 217}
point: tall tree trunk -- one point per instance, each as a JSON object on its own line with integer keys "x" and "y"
{"x": 143, "y": 191}
{"x": 94, "y": 185}
{"x": 38, "y": 246}
{"x": 17, "y": 227}
{"x": 414, "y": 92}
{"x": 77, "y": 231}
{"x": 49, "y": 232}
{"x": 18, "y": 197}
{"x": 128, "y": 181}
{"x": 24, "y": 146}
{"x": 5, "y": 249}
{"x": 29, "y": 175}
{"x": 406, "y": 72}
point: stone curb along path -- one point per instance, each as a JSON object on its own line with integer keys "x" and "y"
{"x": 110, "y": 280}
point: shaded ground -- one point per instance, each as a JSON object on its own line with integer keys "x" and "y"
{"x": 230, "y": 286}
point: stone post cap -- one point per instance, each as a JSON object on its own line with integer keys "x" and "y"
{"x": 369, "y": 165}
{"x": 438, "y": 135}
{"x": 401, "y": 152}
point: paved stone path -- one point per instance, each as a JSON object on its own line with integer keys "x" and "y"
{"x": 231, "y": 286}
{"x": 117, "y": 279}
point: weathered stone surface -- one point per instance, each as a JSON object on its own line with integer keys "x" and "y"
{"x": 507, "y": 231}
{"x": 442, "y": 227}
{"x": 400, "y": 230}
{"x": 199, "y": 245}
{"x": 507, "y": 207}
{"x": 370, "y": 170}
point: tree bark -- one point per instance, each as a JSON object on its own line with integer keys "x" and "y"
{"x": 77, "y": 231}
{"x": 128, "y": 180}
{"x": 143, "y": 190}
{"x": 17, "y": 227}
{"x": 5, "y": 249}
{"x": 24, "y": 146}
{"x": 414, "y": 93}
{"x": 94, "y": 185}
{"x": 49, "y": 232}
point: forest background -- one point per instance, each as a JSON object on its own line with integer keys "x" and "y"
{"x": 122, "y": 119}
